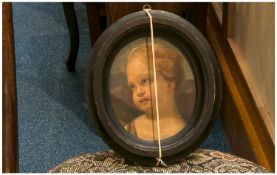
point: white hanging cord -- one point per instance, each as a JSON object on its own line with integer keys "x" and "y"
{"x": 147, "y": 8}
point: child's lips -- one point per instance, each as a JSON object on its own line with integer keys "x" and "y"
{"x": 144, "y": 101}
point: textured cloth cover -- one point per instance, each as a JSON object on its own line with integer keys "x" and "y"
{"x": 200, "y": 161}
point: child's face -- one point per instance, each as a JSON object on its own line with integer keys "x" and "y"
{"x": 141, "y": 84}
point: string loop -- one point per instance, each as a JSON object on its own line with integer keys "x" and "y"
{"x": 146, "y": 6}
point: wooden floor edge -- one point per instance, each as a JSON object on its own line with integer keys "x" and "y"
{"x": 260, "y": 140}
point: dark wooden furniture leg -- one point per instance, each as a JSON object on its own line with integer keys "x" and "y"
{"x": 72, "y": 24}
{"x": 95, "y": 12}
{"x": 201, "y": 16}
{"x": 9, "y": 130}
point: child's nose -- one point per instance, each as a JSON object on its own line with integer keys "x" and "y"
{"x": 140, "y": 91}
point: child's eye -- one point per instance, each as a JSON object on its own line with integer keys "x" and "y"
{"x": 132, "y": 87}
{"x": 144, "y": 81}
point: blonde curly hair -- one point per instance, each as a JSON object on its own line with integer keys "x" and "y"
{"x": 168, "y": 62}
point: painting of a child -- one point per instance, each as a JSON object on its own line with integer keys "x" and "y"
{"x": 131, "y": 85}
{"x": 169, "y": 71}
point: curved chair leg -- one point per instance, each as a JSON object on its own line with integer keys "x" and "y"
{"x": 72, "y": 24}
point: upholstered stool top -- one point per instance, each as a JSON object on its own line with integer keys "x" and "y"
{"x": 201, "y": 161}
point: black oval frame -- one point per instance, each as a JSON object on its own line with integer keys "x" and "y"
{"x": 206, "y": 72}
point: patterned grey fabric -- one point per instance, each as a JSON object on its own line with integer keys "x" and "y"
{"x": 201, "y": 161}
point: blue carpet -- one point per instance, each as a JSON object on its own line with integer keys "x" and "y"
{"x": 54, "y": 124}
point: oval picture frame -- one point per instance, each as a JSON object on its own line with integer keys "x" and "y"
{"x": 110, "y": 102}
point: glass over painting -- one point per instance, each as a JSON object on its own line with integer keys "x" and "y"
{"x": 135, "y": 101}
